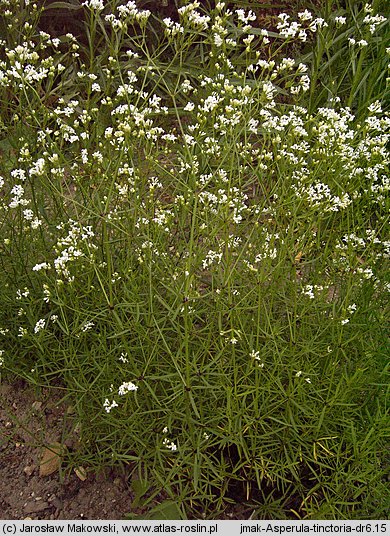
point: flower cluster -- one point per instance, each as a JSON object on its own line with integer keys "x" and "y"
{"x": 290, "y": 29}
{"x": 187, "y": 224}
{"x": 168, "y": 443}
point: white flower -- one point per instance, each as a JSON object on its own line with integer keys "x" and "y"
{"x": 308, "y": 291}
{"x": 17, "y": 174}
{"x": 39, "y": 326}
{"x": 188, "y": 12}
{"x": 108, "y": 406}
{"x": 36, "y": 223}
{"x": 373, "y": 22}
{"x": 126, "y": 387}
{"x": 172, "y": 28}
{"x": 17, "y": 200}
{"x": 28, "y": 214}
{"x": 245, "y": 17}
{"x": 367, "y": 8}
{"x": 186, "y": 86}
{"x": 218, "y": 41}
{"x": 94, "y": 4}
{"x": 340, "y": 21}
{"x": 41, "y": 266}
{"x": 87, "y": 326}
{"x": 22, "y": 332}
{"x": 211, "y": 257}
{"x": 98, "y": 156}
{"x": 248, "y": 40}
{"x": 22, "y": 293}
{"x": 123, "y": 357}
{"x": 84, "y": 156}
{"x": 305, "y": 15}
{"x": 169, "y": 444}
{"x": 375, "y": 108}
{"x": 190, "y": 140}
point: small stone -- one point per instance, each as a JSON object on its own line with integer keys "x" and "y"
{"x": 37, "y": 405}
{"x": 81, "y": 473}
{"x": 28, "y": 470}
{"x": 33, "y": 507}
{"x": 55, "y": 501}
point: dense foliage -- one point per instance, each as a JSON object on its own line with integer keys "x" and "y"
{"x": 194, "y": 244}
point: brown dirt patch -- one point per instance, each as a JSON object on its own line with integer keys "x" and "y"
{"x": 28, "y": 421}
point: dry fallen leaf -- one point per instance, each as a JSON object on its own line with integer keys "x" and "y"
{"x": 298, "y": 256}
{"x": 51, "y": 459}
{"x": 81, "y": 473}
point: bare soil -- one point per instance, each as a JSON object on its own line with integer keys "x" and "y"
{"x": 28, "y": 422}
